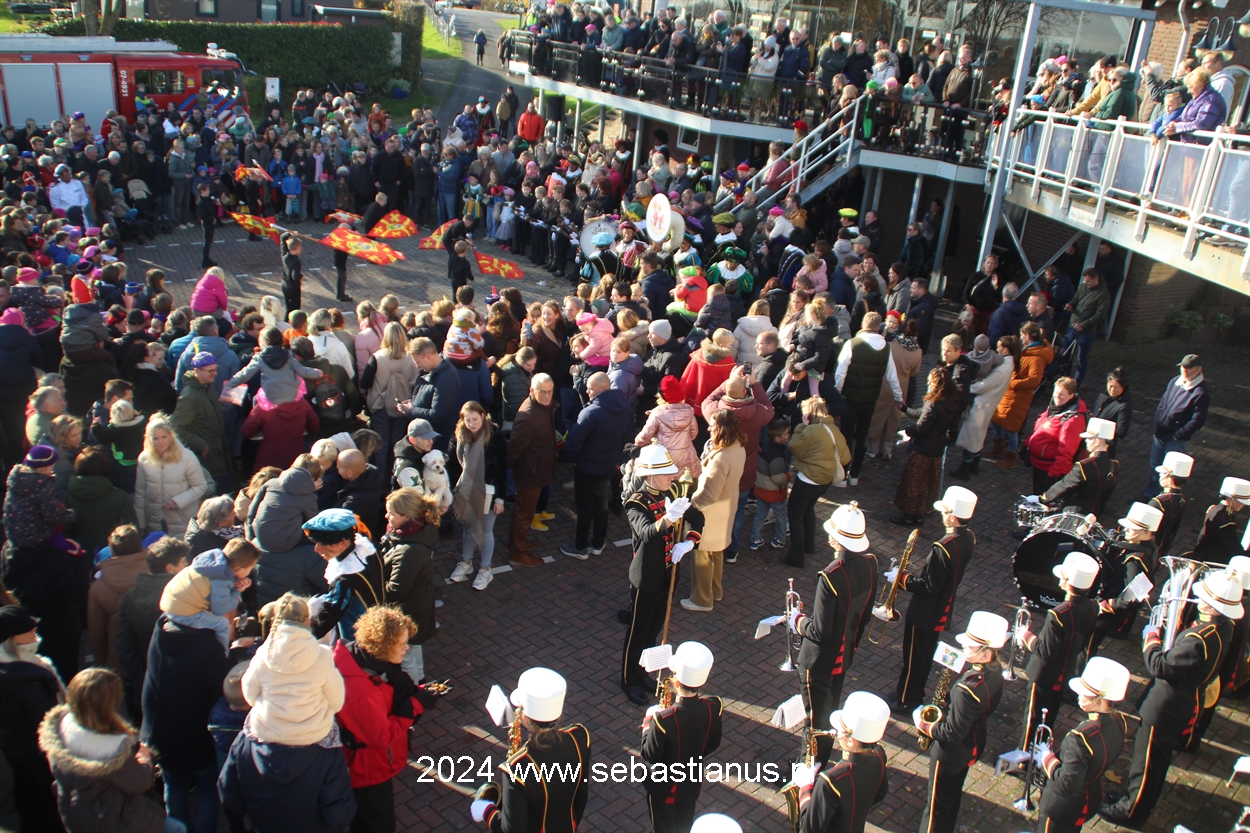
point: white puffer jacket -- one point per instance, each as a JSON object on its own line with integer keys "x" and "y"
{"x": 156, "y": 482}
{"x": 293, "y": 687}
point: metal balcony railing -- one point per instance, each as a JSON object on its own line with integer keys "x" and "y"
{"x": 1200, "y": 188}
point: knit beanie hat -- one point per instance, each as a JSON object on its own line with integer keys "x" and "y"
{"x": 40, "y": 456}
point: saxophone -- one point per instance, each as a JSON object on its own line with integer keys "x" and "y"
{"x": 933, "y": 712}
{"x": 791, "y": 789}
{"x": 514, "y": 733}
{"x": 667, "y": 691}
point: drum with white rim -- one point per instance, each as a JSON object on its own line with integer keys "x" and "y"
{"x": 1052, "y": 539}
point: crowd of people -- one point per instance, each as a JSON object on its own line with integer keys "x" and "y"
{"x": 239, "y": 501}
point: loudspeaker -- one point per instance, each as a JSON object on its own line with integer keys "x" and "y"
{"x": 554, "y": 107}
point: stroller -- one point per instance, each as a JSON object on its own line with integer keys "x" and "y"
{"x": 138, "y": 219}
{"x": 1064, "y": 364}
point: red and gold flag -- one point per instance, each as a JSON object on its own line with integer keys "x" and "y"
{"x": 253, "y": 224}
{"x": 435, "y": 240}
{"x": 393, "y": 226}
{"x": 342, "y": 217}
{"x": 491, "y": 265}
{"x": 241, "y": 173}
{"x": 360, "y": 246}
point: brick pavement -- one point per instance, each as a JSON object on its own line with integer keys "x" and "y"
{"x": 563, "y": 614}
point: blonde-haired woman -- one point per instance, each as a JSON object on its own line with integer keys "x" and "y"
{"x": 408, "y": 553}
{"x": 633, "y": 328}
{"x": 387, "y": 380}
{"x": 274, "y": 312}
{"x": 478, "y": 458}
{"x": 169, "y": 481}
{"x": 65, "y": 435}
{"x": 716, "y": 497}
{"x": 372, "y": 325}
{"x": 102, "y": 772}
{"x": 819, "y": 455}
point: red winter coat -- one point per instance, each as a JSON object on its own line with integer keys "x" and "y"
{"x": 284, "y": 428}
{"x": 709, "y": 367}
{"x": 1057, "y": 439}
{"x": 367, "y": 715}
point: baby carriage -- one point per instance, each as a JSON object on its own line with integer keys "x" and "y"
{"x": 139, "y": 218}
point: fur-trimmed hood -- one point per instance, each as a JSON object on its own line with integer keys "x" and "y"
{"x": 711, "y": 353}
{"x": 75, "y": 750}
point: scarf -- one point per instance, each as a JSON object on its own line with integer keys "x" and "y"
{"x": 1053, "y": 410}
{"x": 470, "y": 502}
{"x": 401, "y": 684}
{"x": 907, "y": 342}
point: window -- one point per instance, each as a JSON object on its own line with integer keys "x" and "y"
{"x": 206, "y": 8}
{"x": 297, "y": 8}
{"x": 160, "y": 81}
{"x": 688, "y": 139}
{"x": 268, "y": 11}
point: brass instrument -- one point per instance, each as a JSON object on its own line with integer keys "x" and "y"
{"x": 932, "y": 713}
{"x": 1167, "y": 616}
{"x": 884, "y": 611}
{"x": 791, "y": 790}
{"x": 1041, "y": 734}
{"x": 686, "y": 483}
{"x": 666, "y": 691}
{"x": 514, "y": 733}
{"x": 1023, "y": 619}
{"x": 793, "y": 641}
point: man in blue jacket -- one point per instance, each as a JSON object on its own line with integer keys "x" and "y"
{"x": 1181, "y": 413}
{"x": 1009, "y": 317}
{"x": 594, "y": 445}
{"x": 796, "y": 60}
{"x": 436, "y": 394}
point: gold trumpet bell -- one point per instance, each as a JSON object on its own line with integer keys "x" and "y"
{"x": 885, "y": 614}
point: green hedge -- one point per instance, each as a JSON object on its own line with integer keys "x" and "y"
{"x": 408, "y": 18}
{"x": 303, "y": 55}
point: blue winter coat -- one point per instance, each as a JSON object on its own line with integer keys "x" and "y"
{"x": 449, "y": 177}
{"x": 227, "y": 361}
{"x": 281, "y": 788}
{"x": 594, "y": 444}
{"x": 436, "y": 398}
{"x": 1007, "y": 319}
{"x": 795, "y": 61}
{"x": 19, "y": 356}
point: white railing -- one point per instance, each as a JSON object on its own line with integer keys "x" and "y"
{"x": 1200, "y": 188}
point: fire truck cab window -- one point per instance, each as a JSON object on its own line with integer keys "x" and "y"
{"x": 159, "y": 81}
{"x": 218, "y": 78}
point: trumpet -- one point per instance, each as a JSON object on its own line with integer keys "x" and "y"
{"x": 1023, "y": 619}
{"x": 793, "y": 641}
{"x": 884, "y": 611}
{"x": 932, "y": 713}
{"x": 1041, "y": 734}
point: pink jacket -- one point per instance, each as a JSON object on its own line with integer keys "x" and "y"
{"x": 818, "y": 277}
{"x": 674, "y": 426}
{"x": 598, "y": 352}
{"x": 368, "y": 341}
{"x": 209, "y": 296}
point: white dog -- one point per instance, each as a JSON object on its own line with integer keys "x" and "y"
{"x": 435, "y": 477}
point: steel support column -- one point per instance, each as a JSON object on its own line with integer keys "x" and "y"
{"x": 876, "y": 191}
{"x": 716, "y": 165}
{"x": 1115, "y": 307}
{"x": 868, "y": 180}
{"x": 915, "y": 199}
{"x": 603, "y": 123}
{"x": 1023, "y": 63}
{"x": 577, "y": 124}
{"x": 939, "y": 256}
{"x": 637, "y": 160}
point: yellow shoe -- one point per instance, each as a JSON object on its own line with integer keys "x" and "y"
{"x": 545, "y": 516}
{"x": 538, "y": 525}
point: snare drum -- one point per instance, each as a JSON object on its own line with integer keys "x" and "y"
{"x": 1029, "y": 515}
{"x": 1052, "y": 539}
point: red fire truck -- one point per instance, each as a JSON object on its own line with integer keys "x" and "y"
{"x": 45, "y": 77}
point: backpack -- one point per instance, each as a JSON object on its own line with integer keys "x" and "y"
{"x": 328, "y": 401}
{"x": 397, "y": 390}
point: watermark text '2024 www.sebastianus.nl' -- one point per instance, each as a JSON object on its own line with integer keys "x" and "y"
{"x": 466, "y": 769}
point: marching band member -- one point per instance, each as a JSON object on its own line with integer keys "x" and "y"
{"x": 1087, "y": 486}
{"x": 837, "y": 799}
{"x": 1073, "y": 790}
{"x": 959, "y": 736}
{"x": 1173, "y": 473}
{"x": 603, "y": 262}
{"x": 653, "y": 512}
{"x": 629, "y": 249}
{"x": 843, "y": 601}
{"x": 528, "y": 800}
{"x": 933, "y": 595}
{"x": 1235, "y": 669}
{"x": 1138, "y": 553}
{"x": 685, "y": 731}
{"x": 1182, "y": 675}
{"x": 1057, "y": 647}
{"x": 715, "y": 823}
{"x": 1219, "y": 540}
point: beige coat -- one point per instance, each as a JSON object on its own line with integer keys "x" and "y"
{"x": 117, "y": 575}
{"x": 293, "y": 687}
{"x": 156, "y": 482}
{"x": 886, "y": 416}
{"x": 717, "y": 495}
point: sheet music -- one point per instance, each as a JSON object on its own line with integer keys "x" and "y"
{"x": 653, "y": 659}
{"x": 949, "y": 656}
{"x": 766, "y": 625}
{"x": 498, "y": 707}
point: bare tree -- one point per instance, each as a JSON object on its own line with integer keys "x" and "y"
{"x": 98, "y": 23}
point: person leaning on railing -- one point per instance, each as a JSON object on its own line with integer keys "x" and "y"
{"x": 1205, "y": 111}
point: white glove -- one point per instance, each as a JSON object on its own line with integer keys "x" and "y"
{"x": 794, "y": 621}
{"x": 804, "y": 775}
{"x": 1034, "y": 499}
{"x": 1040, "y": 752}
{"x": 890, "y": 575}
{"x": 680, "y": 549}
{"x": 652, "y": 709}
{"x": 674, "y": 509}
{"x": 479, "y": 807}
{"x": 1022, "y": 637}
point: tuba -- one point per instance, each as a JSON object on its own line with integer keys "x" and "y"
{"x": 791, "y": 790}
{"x": 884, "y": 611}
{"x": 932, "y": 713}
{"x": 1167, "y": 616}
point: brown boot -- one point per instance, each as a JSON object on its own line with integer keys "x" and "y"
{"x": 525, "y": 560}
{"x": 998, "y": 450}
{"x": 1008, "y": 461}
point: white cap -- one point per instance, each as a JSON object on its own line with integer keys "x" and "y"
{"x": 985, "y": 630}
{"x": 1102, "y": 678}
{"x": 1176, "y": 464}
{"x": 1235, "y": 487}
{"x": 959, "y": 501}
{"x": 1078, "y": 570}
{"x": 848, "y": 527}
{"x": 1142, "y": 516}
{"x": 715, "y": 823}
{"x": 1222, "y": 591}
{"x": 691, "y": 663}
{"x": 654, "y": 459}
{"x": 1240, "y": 566}
{"x": 864, "y": 716}
{"x": 1099, "y": 429}
{"x": 540, "y": 692}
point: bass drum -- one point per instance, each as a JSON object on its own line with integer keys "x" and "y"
{"x": 1046, "y": 546}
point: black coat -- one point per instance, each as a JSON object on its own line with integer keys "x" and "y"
{"x": 1119, "y": 410}
{"x": 938, "y": 423}
{"x": 409, "y": 569}
{"x": 136, "y": 616}
{"x": 924, "y": 311}
{"x": 186, "y": 667}
{"x": 1087, "y": 486}
{"x": 1182, "y": 673}
{"x": 669, "y": 359}
{"x": 844, "y": 594}
{"x": 933, "y": 589}
{"x": 364, "y": 496}
{"x": 28, "y": 691}
{"x": 1060, "y": 642}
{"x": 839, "y": 800}
{"x": 1075, "y": 773}
{"x": 960, "y": 736}
{"x": 690, "y": 729}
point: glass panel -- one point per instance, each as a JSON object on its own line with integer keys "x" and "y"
{"x": 160, "y": 84}
{"x": 1028, "y": 145}
{"x": 1130, "y": 172}
{"x": 1179, "y": 174}
{"x": 268, "y": 11}
{"x": 297, "y": 8}
{"x": 206, "y": 7}
{"x": 1230, "y": 198}
{"x": 144, "y": 77}
{"x": 1060, "y": 149}
{"x": 175, "y": 79}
